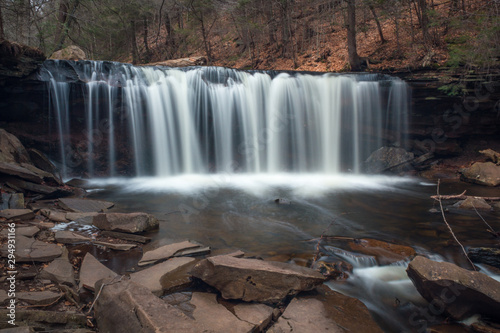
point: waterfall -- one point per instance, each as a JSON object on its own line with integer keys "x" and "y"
{"x": 160, "y": 121}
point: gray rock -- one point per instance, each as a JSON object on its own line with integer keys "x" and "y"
{"x": 259, "y": 315}
{"x": 388, "y": 159}
{"x": 46, "y": 176}
{"x": 457, "y": 291}
{"x": 38, "y": 297}
{"x": 125, "y": 236}
{"x": 255, "y": 280}
{"x": 41, "y": 318}
{"x": 165, "y": 252}
{"x": 79, "y": 216}
{"x": 117, "y": 247}
{"x": 17, "y": 214}
{"x": 482, "y": 173}
{"x": 84, "y": 205}
{"x": 29, "y": 249}
{"x": 22, "y": 231}
{"x": 151, "y": 277}
{"x": 473, "y": 203}
{"x": 4, "y": 299}
{"x": 126, "y": 306}
{"x": 22, "y": 329}
{"x": 71, "y": 52}
{"x": 328, "y": 311}
{"x": 214, "y": 317}
{"x": 41, "y": 161}
{"x": 54, "y": 215}
{"x": 59, "y": 271}
{"x": 12, "y": 201}
{"x": 485, "y": 255}
{"x": 69, "y": 237}
{"x": 13, "y": 169}
{"x": 11, "y": 149}
{"x": 131, "y": 223}
{"x": 92, "y": 271}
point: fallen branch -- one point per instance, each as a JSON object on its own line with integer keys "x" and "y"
{"x": 489, "y": 226}
{"x": 449, "y": 227}
{"x": 462, "y": 196}
{"x": 41, "y": 305}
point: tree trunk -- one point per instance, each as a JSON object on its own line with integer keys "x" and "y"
{"x": 62, "y": 15}
{"x": 379, "y": 28}
{"x": 206, "y": 43}
{"x": 271, "y": 26}
{"x": 133, "y": 43}
{"x": 424, "y": 21}
{"x": 2, "y": 33}
{"x": 354, "y": 60}
{"x": 147, "y": 56}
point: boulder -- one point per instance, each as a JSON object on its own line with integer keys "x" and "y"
{"x": 132, "y": 222}
{"x": 38, "y": 297}
{"x": 182, "y": 62}
{"x": 485, "y": 255}
{"x": 125, "y": 306}
{"x": 69, "y": 237}
{"x": 482, "y": 173}
{"x": 327, "y": 311}
{"x": 29, "y": 250}
{"x": 388, "y": 159}
{"x": 255, "y": 280}
{"x": 151, "y": 277}
{"x": 473, "y": 203}
{"x": 165, "y": 252}
{"x": 71, "y": 52}
{"x": 84, "y": 205}
{"x": 60, "y": 271}
{"x": 454, "y": 290}
{"x": 491, "y": 155}
{"x": 11, "y": 149}
{"x": 92, "y": 271}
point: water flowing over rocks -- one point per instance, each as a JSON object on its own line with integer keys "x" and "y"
{"x": 255, "y": 280}
{"x": 482, "y": 173}
{"x": 454, "y": 290}
{"x": 131, "y": 223}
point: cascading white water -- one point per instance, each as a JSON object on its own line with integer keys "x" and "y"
{"x": 214, "y": 120}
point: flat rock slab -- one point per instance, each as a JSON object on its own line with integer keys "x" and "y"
{"x": 78, "y": 216}
{"x": 214, "y": 317}
{"x": 84, "y": 205}
{"x": 165, "y": 252}
{"x": 29, "y": 249}
{"x": 117, "y": 247}
{"x": 126, "y": 306}
{"x": 131, "y": 223}
{"x": 151, "y": 277}
{"x": 54, "y": 215}
{"x": 92, "y": 271}
{"x": 69, "y": 237}
{"x": 38, "y": 297}
{"x": 327, "y": 311}
{"x": 59, "y": 271}
{"x": 13, "y": 169}
{"x": 17, "y": 214}
{"x": 22, "y": 231}
{"x": 255, "y": 280}
{"x": 125, "y": 236}
{"x": 459, "y": 292}
{"x": 40, "y": 318}
{"x": 259, "y": 315}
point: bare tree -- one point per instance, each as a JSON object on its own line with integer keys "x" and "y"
{"x": 354, "y": 59}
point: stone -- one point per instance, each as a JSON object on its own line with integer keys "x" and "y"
{"x": 193, "y": 252}
{"x": 4, "y": 298}
{"x": 71, "y": 52}
{"x": 12, "y": 201}
{"x": 59, "y": 271}
{"x": 79, "y": 216}
{"x": 473, "y": 203}
{"x": 386, "y": 253}
{"x": 165, "y": 252}
{"x": 259, "y": 315}
{"x": 47, "y": 191}
{"x": 69, "y": 237}
{"x": 255, "y": 280}
{"x": 491, "y": 155}
{"x": 485, "y": 255}
{"x": 122, "y": 222}
{"x": 20, "y": 329}
{"x": 388, "y": 159}
{"x": 182, "y": 62}
{"x": 11, "y": 149}
{"x": 13, "y": 169}
{"x": 459, "y": 292}
{"x": 482, "y": 173}
{"x": 126, "y": 306}
{"x": 29, "y": 249}
{"x": 22, "y": 231}
{"x": 92, "y": 271}
{"x": 17, "y": 60}
{"x": 214, "y": 317}
{"x": 42, "y": 162}
{"x": 84, "y": 205}
{"x": 125, "y": 236}
{"x": 327, "y": 311}
{"x": 54, "y": 215}
{"x": 178, "y": 279}
{"x": 46, "y": 176}
{"x": 151, "y": 277}
{"x": 40, "y": 318}
{"x": 38, "y": 297}
{"x": 117, "y": 247}
{"x": 17, "y": 214}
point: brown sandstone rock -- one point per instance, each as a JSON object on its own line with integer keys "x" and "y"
{"x": 132, "y": 222}
{"x": 482, "y": 173}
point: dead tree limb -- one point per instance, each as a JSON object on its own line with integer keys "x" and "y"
{"x": 462, "y": 196}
